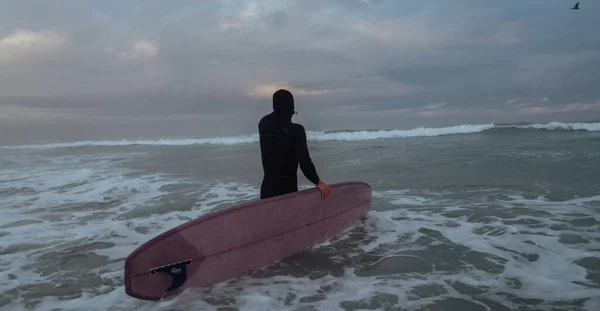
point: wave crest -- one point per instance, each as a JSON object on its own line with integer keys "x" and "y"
{"x": 577, "y": 126}
{"x": 382, "y": 134}
{"x": 348, "y": 135}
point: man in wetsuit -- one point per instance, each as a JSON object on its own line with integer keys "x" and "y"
{"x": 283, "y": 146}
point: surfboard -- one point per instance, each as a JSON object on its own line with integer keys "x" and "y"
{"x": 225, "y": 244}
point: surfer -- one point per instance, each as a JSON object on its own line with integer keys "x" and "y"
{"x": 283, "y": 147}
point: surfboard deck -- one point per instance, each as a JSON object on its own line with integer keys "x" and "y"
{"x": 221, "y": 245}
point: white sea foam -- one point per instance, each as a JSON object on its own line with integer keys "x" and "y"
{"x": 311, "y": 135}
{"x": 235, "y": 140}
{"x": 549, "y": 278}
{"x": 576, "y": 126}
{"x": 136, "y": 217}
{"x": 383, "y": 134}
{"x": 57, "y": 200}
{"x": 322, "y": 136}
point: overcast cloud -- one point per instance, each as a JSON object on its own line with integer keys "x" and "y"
{"x": 73, "y": 70}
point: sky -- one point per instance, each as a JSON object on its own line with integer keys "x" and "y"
{"x": 85, "y": 70}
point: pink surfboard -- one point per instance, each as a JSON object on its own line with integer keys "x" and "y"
{"x": 228, "y": 243}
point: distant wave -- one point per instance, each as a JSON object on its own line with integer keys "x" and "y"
{"x": 578, "y": 126}
{"x": 382, "y": 134}
{"x": 235, "y": 140}
{"x": 347, "y": 135}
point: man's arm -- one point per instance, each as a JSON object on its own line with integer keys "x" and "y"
{"x": 301, "y": 150}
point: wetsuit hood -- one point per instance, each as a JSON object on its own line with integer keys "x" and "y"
{"x": 283, "y": 104}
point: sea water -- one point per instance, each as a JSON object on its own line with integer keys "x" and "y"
{"x": 470, "y": 217}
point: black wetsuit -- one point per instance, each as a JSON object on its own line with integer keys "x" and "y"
{"x": 283, "y": 146}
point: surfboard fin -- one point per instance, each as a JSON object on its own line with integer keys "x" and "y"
{"x": 177, "y": 272}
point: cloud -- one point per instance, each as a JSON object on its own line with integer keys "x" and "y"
{"x": 384, "y": 63}
{"x": 433, "y": 113}
{"x": 525, "y": 104}
{"x": 243, "y": 19}
{"x": 511, "y": 101}
{"x": 582, "y": 107}
{"x": 572, "y": 107}
{"x": 137, "y": 50}
{"x": 24, "y": 44}
{"x": 29, "y": 114}
{"x": 426, "y": 111}
{"x": 434, "y": 106}
{"x": 266, "y": 91}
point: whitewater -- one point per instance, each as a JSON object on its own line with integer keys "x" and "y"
{"x": 489, "y": 217}
{"x": 348, "y": 135}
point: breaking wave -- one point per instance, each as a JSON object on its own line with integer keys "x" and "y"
{"x": 346, "y": 135}
{"x": 382, "y": 134}
{"x": 578, "y": 126}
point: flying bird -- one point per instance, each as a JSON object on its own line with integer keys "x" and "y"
{"x": 576, "y": 7}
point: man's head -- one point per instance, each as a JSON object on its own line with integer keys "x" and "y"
{"x": 283, "y": 103}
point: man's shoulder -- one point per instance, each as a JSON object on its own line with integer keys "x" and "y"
{"x": 263, "y": 120}
{"x": 297, "y": 129}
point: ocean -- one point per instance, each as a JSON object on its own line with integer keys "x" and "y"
{"x": 464, "y": 218}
